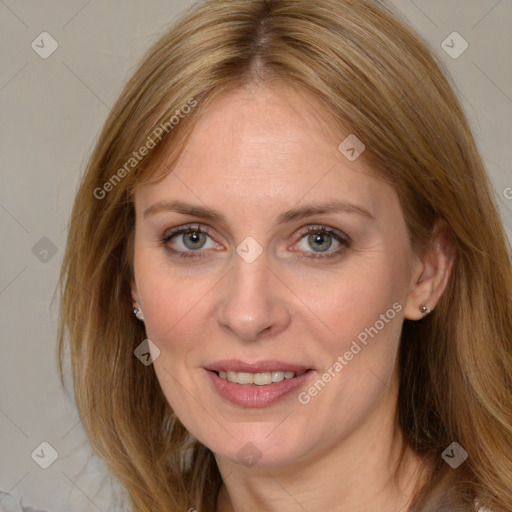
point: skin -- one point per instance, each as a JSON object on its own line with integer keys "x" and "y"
{"x": 257, "y": 152}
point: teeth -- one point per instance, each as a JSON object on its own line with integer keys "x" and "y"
{"x": 260, "y": 379}
{"x": 244, "y": 378}
{"x": 277, "y": 376}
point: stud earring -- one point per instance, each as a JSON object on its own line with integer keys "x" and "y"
{"x": 424, "y": 309}
{"x": 138, "y": 313}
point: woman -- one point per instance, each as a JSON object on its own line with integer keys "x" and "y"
{"x": 286, "y": 285}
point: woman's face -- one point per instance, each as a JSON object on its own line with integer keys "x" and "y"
{"x": 254, "y": 291}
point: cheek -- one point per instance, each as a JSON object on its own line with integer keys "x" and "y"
{"x": 361, "y": 314}
{"x": 175, "y": 307}
{"x": 173, "y": 298}
{"x": 349, "y": 303}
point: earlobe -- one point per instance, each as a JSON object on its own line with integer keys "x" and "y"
{"x": 138, "y": 313}
{"x": 419, "y": 302}
{"x": 431, "y": 274}
{"x": 424, "y": 309}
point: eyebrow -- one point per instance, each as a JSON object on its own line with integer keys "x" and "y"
{"x": 207, "y": 213}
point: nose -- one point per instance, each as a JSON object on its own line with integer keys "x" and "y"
{"x": 253, "y": 302}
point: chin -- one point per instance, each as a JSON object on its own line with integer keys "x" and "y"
{"x": 258, "y": 447}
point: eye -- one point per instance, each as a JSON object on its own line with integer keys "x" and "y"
{"x": 322, "y": 239}
{"x": 188, "y": 239}
{"x": 188, "y": 242}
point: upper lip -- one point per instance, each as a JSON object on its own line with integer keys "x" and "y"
{"x": 236, "y": 365}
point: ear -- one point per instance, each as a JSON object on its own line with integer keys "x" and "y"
{"x": 135, "y": 295}
{"x": 431, "y": 272}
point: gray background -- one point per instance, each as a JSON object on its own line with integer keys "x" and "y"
{"x": 52, "y": 111}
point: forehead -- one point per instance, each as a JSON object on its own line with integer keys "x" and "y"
{"x": 264, "y": 128}
{"x": 265, "y": 146}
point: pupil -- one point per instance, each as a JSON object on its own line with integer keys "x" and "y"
{"x": 194, "y": 239}
{"x": 318, "y": 239}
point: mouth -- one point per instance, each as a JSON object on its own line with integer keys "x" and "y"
{"x": 258, "y": 378}
{"x": 261, "y": 373}
{"x": 256, "y": 384}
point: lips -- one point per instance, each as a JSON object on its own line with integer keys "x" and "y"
{"x": 236, "y": 365}
{"x": 247, "y": 384}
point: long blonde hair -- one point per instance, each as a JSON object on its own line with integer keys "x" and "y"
{"x": 381, "y": 80}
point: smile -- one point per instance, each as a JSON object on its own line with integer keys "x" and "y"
{"x": 258, "y": 384}
{"x": 259, "y": 378}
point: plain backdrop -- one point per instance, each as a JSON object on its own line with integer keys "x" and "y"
{"x": 52, "y": 110}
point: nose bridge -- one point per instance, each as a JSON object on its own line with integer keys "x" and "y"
{"x": 250, "y": 304}
{"x": 251, "y": 276}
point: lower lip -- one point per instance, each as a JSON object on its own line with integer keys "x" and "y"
{"x": 252, "y": 395}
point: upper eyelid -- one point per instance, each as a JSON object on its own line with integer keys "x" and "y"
{"x": 185, "y": 227}
{"x": 321, "y": 227}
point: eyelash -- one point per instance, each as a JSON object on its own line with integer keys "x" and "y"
{"x": 344, "y": 240}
